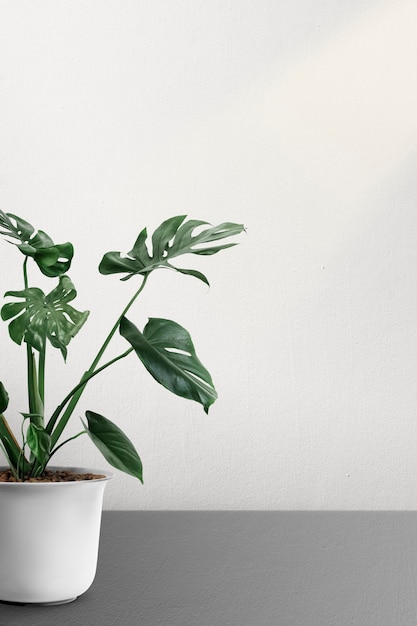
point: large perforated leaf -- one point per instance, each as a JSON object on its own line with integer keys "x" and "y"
{"x": 171, "y": 239}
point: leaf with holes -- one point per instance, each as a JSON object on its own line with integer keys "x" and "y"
{"x": 113, "y": 444}
{"x": 39, "y": 317}
{"x": 167, "y": 351}
{"x": 52, "y": 259}
{"x": 171, "y": 239}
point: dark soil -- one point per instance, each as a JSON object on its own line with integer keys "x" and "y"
{"x": 49, "y": 476}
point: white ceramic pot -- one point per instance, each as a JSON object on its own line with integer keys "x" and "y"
{"x": 49, "y": 537}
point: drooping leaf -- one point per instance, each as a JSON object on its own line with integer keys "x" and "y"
{"x": 113, "y": 444}
{"x": 171, "y": 239}
{"x": 4, "y": 398}
{"x": 52, "y": 259}
{"x": 40, "y": 317}
{"x": 167, "y": 351}
{"x": 39, "y": 442}
{"x": 15, "y": 227}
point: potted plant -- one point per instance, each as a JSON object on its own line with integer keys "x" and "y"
{"x": 49, "y": 516}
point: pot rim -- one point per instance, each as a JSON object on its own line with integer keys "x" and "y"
{"x": 78, "y": 470}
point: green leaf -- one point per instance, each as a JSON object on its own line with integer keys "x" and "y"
{"x": 194, "y": 273}
{"x": 172, "y": 238}
{"x": 12, "y": 449}
{"x": 52, "y": 259}
{"x": 113, "y": 444}
{"x": 39, "y": 442}
{"x": 42, "y": 317}
{"x": 167, "y": 351}
{"x": 4, "y": 398}
{"x": 163, "y": 235}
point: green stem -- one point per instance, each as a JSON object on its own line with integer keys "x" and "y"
{"x": 74, "y": 394}
{"x": 116, "y": 326}
{"x": 13, "y": 450}
{"x": 38, "y": 468}
{"x": 83, "y": 432}
{"x": 35, "y": 380}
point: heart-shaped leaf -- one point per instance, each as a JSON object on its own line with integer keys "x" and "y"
{"x": 167, "y": 351}
{"x": 40, "y": 317}
{"x": 113, "y": 444}
{"x": 172, "y": 238}
{"x": 52, "y": 259}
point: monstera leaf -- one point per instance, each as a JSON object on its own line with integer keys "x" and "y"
{"x": 40, "y": 317}
{"x": 166, "y": 350}
{"x": 52, "y": 259}
{"x": 172, "y": 238}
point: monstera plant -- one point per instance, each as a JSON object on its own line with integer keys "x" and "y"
{"x": 40, "y": 321}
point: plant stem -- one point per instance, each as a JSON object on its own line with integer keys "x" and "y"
{"x": 116, "y": 325}
{"x": 83, "y": 432}
{"x": 74, "y": 394}
{"x": 41, "y": 374}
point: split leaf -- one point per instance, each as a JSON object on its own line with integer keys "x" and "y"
{"x": 171, "y": 239}
{"x": 39, "y": 443}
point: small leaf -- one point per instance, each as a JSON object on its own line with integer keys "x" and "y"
{"x": 4, "y": 398}
{"x": 56, "y": 260}
{"x": 167, "y": 351}
{"x": 11, "y": 447}
{"x": 113, "y": 444}
{"x": 39, "y": 442}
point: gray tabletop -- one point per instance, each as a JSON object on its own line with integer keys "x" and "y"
{"x": 245, "y": 569}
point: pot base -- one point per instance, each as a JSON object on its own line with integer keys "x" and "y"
{"x": 39, "y": 603}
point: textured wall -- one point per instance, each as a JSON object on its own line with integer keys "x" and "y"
{"x": 296, "y": 118}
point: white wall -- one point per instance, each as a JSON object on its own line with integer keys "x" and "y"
{"x": 296, "y": 118}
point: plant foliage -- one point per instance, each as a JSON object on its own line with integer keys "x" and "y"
{"x": 39, "y": 317}
{"x": 164, "y": 347}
